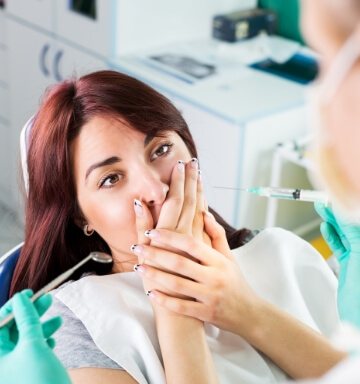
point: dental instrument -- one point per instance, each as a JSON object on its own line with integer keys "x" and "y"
{"x": 99, "y": 257}
{"x": 286, "y": 193}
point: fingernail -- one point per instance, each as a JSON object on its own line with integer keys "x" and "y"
{"x": 151, "y": 233}
{"x": 194, "y": 163}
{"x": 138, "y": 207}
{"x": 199, "y": 175}
{"x": 138, "y": 268}
{"x": 138, "y": 249}
{"x": 181, "y": 166}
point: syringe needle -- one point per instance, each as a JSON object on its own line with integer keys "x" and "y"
{"x": 233, "y": 188}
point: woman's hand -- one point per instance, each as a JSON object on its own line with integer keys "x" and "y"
{"x": 191, "y": 271}
{"x": 220, "y": 295}
{"x": 182, "y": 212}
{"x": 182, "y": 339}
{"x": 211, "y": 278}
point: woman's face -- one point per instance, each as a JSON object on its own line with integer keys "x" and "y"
{"x": 112, "y": 165}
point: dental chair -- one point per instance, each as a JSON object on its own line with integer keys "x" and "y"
{"x": 7, "y": 266}
{"x": 9, "y": 260}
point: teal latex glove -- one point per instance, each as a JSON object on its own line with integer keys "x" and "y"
{"x": 343, "y": 237}
{"x": 26, "y": 354}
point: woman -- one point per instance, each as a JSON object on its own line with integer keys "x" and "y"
{"x": 118, "y": 161}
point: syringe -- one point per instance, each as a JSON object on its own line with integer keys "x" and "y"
{"x": 290, "y": 194}
{"x": 285, "y": 193}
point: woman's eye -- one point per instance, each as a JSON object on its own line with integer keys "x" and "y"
{"x": 164, "y": 149}
{"x": 109, "y": 181}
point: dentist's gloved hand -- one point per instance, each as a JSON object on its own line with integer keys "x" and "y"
{"x": 26, "y": 354}
{"x": 343, "y": 237}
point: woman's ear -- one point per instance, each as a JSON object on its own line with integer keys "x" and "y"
{"x": 80, "y": 222}
{"x": 84, "y": 226}
{"x": 78, "y": 218}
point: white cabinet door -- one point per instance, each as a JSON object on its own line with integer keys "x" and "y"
{"x": 87, "y": 29}
{"x": 2, "y": 27}
{"x": 4, "y": 106}
{"x": 69, "y": 61}
{"x": 30, "y": 54}
{"x": 3, "y": 48}
{"x": 4, "y": 103}
{"x": 39, "y": 12}
{"x": 36, "y": 62}
{"x": 5, "y": 175}
{"x": 4, "y": 115}
{"x": 3, "y": 64}
{"x": 30, "y": 72}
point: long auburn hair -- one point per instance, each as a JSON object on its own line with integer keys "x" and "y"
{"x": 53, "y": 242}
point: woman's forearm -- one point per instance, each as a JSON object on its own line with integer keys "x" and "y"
{"x": 296, "y": 348}
{"x": 185, "y": 352}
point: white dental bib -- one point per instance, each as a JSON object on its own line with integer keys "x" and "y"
{"x": 280, "y": 267}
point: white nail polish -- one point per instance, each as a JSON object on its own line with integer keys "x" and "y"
{"x": 138, "y": 207}
{"x": 181, "y": 166}
{"x": 151, "y": 233}
{"x": 194, "y": 163}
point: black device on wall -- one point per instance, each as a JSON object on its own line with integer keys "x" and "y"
{"x": 240, "y": 25}
{"x": 84, "y": 7}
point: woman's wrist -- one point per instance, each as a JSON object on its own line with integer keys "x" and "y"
{"x": 258, "y": 323}
{"x": 248, "y": 319}
{"x": 163, "y": 315}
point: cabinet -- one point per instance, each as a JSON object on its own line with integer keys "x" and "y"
{"x": 93, "y": 33}
{"x": 4, "y": 112}
{"x": 37, "y": 12}
{"x": 5, "y": 187}
{"x": 31, "y": 54}
{"x": 3, "y": 72}
{"x": 37, "y": 61}
{"x": 3, "y": 49}
{"x": 4, "y": 102}
{"x": 3, "y": 63}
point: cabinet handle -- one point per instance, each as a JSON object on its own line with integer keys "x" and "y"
{"x": 42, "y": 60}
{"x": 57, "y": 60}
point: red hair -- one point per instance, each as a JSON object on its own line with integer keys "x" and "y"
{"x": 53, "y": 242}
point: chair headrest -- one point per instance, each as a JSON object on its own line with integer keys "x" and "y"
{"x": 24, "y": 146}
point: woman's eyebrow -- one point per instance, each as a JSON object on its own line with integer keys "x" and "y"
{"x": 148, "y": 139}
{"x": 108, "y": 161}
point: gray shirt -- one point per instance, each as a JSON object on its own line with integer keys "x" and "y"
{"x": 74, "y": 346}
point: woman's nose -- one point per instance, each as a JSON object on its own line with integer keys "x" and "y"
{"x": 151, "y": 188}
